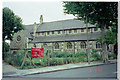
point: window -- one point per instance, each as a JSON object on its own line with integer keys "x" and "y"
{"x": 58, "y": 32}
{"x": 88, "y": 29}
{"x": 63, "y": 32}
{"x": 69, "y": 45}
{"x": 52, "y": 32}
{"x": 83, "y": 45}
{"x": 75, "y": 31}
{"x": 34, "y": 45}
{"x": 18, "y": 38}
{"x": 70, "y": 31}
{"x": 42, "y": 33}
{"x": 95, "y": 29}
{"x": 82, "y": 30}
{"x": 98, "y": 45}
{"x": 48, "y": 33}
{"x": 56, "y": 46}
{"x": 38, "y": 33}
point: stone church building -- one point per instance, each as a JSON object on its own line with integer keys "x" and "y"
{"x": 64, "y": 35}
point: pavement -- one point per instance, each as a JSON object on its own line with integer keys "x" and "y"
{"x": 10, "y": 71}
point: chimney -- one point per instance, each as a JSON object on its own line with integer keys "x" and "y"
{"x": 41, "y": 19}
{"x": 34, "y": 29}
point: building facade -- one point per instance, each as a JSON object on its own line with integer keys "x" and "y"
{"x": 65, "y": 35}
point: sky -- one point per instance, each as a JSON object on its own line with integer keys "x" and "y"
{"x": 30, "y": 11}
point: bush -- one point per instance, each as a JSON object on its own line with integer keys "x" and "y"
{"x": 59, "y": 61}
{"x": 52, "y": 61}
{"x": 95, "y": 56}
{"x": 70, "y": 60}
{"x": 81, "y": 54}
{"x": 60, "y": 54}
{"x": 5, "y": 46}
{"x": 112, "y": 56}
{"x": 8, "y": 57}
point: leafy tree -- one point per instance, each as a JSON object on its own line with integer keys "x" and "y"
{"x": 11, "y": 24}
{"x": 5, "y": 46}
{"x": 103, "y": 14}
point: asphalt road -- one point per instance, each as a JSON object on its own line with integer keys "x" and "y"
{"x": 106, "y": 71}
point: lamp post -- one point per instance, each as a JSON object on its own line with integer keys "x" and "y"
{"x": 88, "y": 47}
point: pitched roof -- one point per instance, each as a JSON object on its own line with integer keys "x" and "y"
{"x": 63, "y": 24}
{"x": 60, "y": 25}
{"x": 77, "y": 37}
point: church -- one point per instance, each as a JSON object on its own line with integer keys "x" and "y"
{"x": 65, "y": 35}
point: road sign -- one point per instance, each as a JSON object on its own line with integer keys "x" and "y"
{"x": 37, "y": 52}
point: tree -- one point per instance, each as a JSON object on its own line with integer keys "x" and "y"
{"x": 11, "y": 24}
{"x": 103, "y": 14}
{"x": 5, "y": 46}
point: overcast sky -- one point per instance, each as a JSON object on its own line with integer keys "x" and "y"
{"x": 30, "y": 11}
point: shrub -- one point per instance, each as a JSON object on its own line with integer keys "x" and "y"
{"x": 70, "y": 60}
{"x": 52, "y": 61}
{"x": 81, "y": 54}
{"x": 95, "y": 56}
{"x": 18, "y": 58}
{"x": 59, "y": 61}
{"x": 5, "y": 47}
{"x": 112, "y": 56}
{"x": 8, "y": 57}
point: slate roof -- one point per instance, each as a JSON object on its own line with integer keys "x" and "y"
{"x": 61, "y": 38}
{"x": 61, "y": 25}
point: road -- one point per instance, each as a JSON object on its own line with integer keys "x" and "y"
{"x": 102, "y": 71}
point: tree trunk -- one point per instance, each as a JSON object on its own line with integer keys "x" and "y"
{"x": 104, "y": 53}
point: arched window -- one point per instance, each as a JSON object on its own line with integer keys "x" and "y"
{"x": 56, "y": 46}
{"x": 44, "y": 44}
{"x": 98, "y": 45}
{"x": 83, "y": 45}
{"x": 69, "y": 45}
{"x": 35, "y": 45}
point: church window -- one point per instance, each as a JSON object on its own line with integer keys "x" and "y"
{"x": 69, "y": 45}
{"x": 48, "y": 33}
{"x": 88, "y": 29}
{"x": 98, "y": 45}
{"x": 35, "y": 45}
{"x": 56, "y": 46}
{"x": 58, "y": 32}
{"x": 52, "y": 32}
{"x": 38, "y": 33}
{"x": 82, "y": 30}
{"x": 75, "y": 31}
{"x": 70, "y": 31}
{"x": 42, "y": 33}
{"x": 83, "y": 45}
{"x": 95, "y": 29}
{"x": 18, "y": 38}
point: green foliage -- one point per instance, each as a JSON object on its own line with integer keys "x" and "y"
{"x": 5, "y": 46}
{"x": 83, "y": 54}
{"x": 60, "y": 61}
{"x": 60, "y": 54}
{"x": 112, "y": 56}
{"x": 101, "y": 14}
{"x": 96, "y": 12}
{"x": 95, "y": 56}
{"x": 8, "y": 57}
{"x": 52, "y": 61}
{"x": 11, "y": 24}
